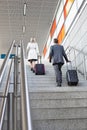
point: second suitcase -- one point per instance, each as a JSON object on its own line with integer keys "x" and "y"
{"x": 39, "y": 69}
{"x": 72, "y": 77}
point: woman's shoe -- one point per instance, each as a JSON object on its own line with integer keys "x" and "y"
{"x": 31, "y": 69}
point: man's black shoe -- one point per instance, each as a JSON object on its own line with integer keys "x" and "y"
{"x": 59, "y": 84}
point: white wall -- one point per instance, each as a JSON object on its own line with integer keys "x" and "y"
{"x": 1, "y": 61}
{"x": 77, "y": 35}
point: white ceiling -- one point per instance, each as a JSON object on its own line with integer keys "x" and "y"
{"x": 38, "y": 19}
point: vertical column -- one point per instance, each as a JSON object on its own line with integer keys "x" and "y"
{"x": 15, "y": 93}
{"x": 84, "y": 67}
{"x": 10, "y": 109}
{"x": 15, "y": 87}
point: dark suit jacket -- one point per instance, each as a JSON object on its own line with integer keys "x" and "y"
{"x": 57, "y": 53}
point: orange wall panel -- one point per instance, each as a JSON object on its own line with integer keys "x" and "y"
{"x": 61, "y": 34}
{"x": 67, "y": 7}
{"x": 65, "y": 12}
{"x": 53, "y": 28}
{"x": 72, "y": 1}
{"x": 44, "y": 50}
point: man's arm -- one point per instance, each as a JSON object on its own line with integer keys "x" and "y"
{"x": 50, "y": 54}
{"x": 65, "y": 56}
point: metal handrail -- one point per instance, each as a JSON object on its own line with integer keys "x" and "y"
{"x": 70, "y": 48}
{"x": 3, "y": 67}
{"x": 80, "y": 51}
{"x": 25, "y": 102}
{"x": 4, "y": 100}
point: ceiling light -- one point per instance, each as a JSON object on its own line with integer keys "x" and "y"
{"x": 24, "y": 11}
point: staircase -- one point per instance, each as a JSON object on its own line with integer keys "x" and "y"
{"x": 57, "y": 108}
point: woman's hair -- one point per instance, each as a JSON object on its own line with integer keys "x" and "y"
{"x": 31, "y": 39}
{"x": 34, "y": 39}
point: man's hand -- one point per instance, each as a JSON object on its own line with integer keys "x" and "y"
{"x": 49, "y": 59}
{"x": 68, "y": 61}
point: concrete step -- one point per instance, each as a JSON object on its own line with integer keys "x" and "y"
{"x": 58, "y": 97}
{"x": 75, "y": 124}
{"x": 62, "y": 108}
{"x": 58, "y": 109}
{"x": 59, "y": 113}
{"x": 58, "y": 93}
{"x": 59, "y": 103}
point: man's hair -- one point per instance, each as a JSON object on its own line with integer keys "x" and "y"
{"x": 55, "y": 40}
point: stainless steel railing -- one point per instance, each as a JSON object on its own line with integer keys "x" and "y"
{"x": 79, "y": 58}
{"x": 7, "y": 96}
{"x": 5, "y": 93}
{"x": 4, "y": 98}
{"x": 25, "y": 102}
{"x": 3, "y": 67}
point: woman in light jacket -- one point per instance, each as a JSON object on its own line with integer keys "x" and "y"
{"x": 32, "y": 52}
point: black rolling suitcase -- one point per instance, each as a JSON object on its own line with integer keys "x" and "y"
{"x": 71, "y": 76}
{"x": 39, "y": 67}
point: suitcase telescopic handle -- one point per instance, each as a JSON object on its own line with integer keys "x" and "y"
{"x": 69, "y": 63}
{"x": 39, "y": 58}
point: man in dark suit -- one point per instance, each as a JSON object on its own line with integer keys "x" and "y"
{"x": 56, "y": 55}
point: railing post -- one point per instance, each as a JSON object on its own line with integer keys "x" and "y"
{"x": 8, "y": 112}
{"x": 3, "y": 67}
{"x": 75, "y": 59}
{"x": 4, "y": 101}
{"x": 15, "y": 87}
{"x": 15, "y": 90}
{"x": 69, "y": 52}
{"x": 84, "y": 67}
{"x": 25, "y": 102}
{"x": 10, "y": 109}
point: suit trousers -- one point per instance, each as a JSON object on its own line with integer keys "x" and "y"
{"x": 58, "y": 72}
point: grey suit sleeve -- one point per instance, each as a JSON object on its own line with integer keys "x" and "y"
{"x": 50, "y": 54}
{"x": 64, "y": 54}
